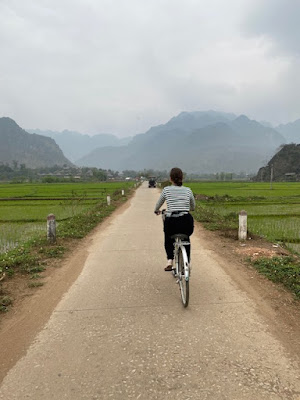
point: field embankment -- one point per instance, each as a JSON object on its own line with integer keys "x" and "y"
{"x": 273, "y": 215}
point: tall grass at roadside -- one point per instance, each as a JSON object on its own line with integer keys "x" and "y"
{"x": 281, "y": 228}
{"x": 12, "y": 234}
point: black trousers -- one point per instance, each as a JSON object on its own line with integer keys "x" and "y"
{"x": 173, "y": 225}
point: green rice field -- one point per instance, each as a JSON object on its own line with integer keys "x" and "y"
{"x": 273, "y": 213}
{"x": 24, "y": 207}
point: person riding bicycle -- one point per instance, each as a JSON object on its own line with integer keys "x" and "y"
{"x": 180, "y": 200}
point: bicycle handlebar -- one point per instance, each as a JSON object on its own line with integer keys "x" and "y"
{"x": 160, "y": 212}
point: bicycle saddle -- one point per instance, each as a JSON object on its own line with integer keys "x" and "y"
{"x": 180, "y": 236}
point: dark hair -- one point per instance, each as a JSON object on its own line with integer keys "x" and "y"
{"x": 177, "y": 176}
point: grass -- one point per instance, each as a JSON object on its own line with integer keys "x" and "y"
{"x": 214, "y": 221}
{"x": 30, "y": 251}
{"x": 60, "y": 190}
{"x": 277, "y": 228}
{"x": 273, "y": 214}
{"x": 12, "y": 234}
{"x": 35, "y": 284}
{"x": 5, "y": 302}
{"x": 247, "y": 189}
{"x": 56, "y": 251}
{"x": 284, "y": 270}
{"x": 37, "y": 211}
{"x": 24, "y": 207}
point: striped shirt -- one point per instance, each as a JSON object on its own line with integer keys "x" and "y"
{"x": 178, "y": 198}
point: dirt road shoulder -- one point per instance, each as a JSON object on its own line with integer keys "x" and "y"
{"x": 276, "y": 304}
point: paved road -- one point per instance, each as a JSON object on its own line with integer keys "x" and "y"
{"x": 121, "y": 332}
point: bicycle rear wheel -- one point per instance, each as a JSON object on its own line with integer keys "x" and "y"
{"x": 183, "y": 280}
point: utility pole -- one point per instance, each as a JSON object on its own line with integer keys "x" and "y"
{"x": 271, "y": 178}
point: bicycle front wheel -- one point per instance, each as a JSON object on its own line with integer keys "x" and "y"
{"x": 183, "y": 280}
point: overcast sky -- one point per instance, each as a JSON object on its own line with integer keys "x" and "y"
{"x": 122, "y": 66}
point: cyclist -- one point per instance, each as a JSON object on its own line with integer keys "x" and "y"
{"x": 180, "y": 200}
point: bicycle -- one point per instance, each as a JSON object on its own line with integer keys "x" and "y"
{"x": 181, "y": 270}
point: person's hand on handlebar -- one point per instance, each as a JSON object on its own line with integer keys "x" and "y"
{"x": 157, "y": 212}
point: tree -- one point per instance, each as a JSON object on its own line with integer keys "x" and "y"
{"x": 99, "y": 174}
{"x": 15, "y": 164}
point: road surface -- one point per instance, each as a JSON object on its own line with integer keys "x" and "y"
{"x": 121, "y": 332}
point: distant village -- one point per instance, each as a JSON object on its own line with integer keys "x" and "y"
{"x": 20, "y": 173}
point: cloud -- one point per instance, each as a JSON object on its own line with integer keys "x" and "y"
{"x": 275, "y": 24}
{"x": 278, "y": 21}
{"x": 123, "y": 66}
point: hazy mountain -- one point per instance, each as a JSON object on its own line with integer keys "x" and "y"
{"x": 197, "y": 119}
{"x": 185, "y": 123}
{"x": 30, "y": 149}
{"x": 286, "y": 161}
{"x": 266, "y": 123}
{"x": 202, "y": 142}
{"x": 76, "y": 145}
{"x": 290, "y": 131}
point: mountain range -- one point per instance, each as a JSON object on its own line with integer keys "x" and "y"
{"x": 76, "y": 145}
{"x": 20, "y": 147}
{"x": 200, "y": 142}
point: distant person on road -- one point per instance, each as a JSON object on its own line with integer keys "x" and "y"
{"x": 180, "y": 200}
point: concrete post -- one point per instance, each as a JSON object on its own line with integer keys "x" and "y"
{"x": 51, "y": 228}
{"x": 243, "y": 225}
{"x": 108, "y": 200}
{"x": 123, "y": 192}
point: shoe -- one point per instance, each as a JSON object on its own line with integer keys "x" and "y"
{"x": 169, "y": 266}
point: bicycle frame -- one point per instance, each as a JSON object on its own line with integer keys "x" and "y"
{"x": 180, "y": 257}
{"x": 181, "y": 245}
